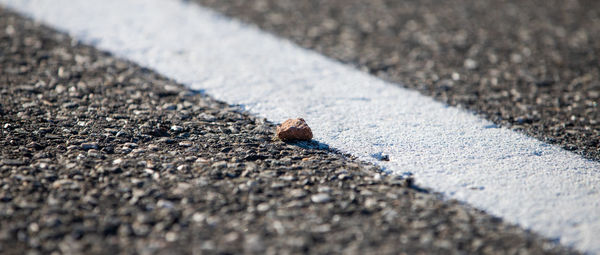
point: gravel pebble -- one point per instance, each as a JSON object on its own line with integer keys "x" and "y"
{"x": 320, "y": 198}
{"x": 88, "y": 146}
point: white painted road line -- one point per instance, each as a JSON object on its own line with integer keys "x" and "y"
{"x": 520, "y": 179}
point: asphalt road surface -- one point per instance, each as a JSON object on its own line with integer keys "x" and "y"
{"x": 99, "y": 155}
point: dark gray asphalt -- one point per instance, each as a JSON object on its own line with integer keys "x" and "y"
{"x": 98, "y": 155}
{"x": 531, "y": 65}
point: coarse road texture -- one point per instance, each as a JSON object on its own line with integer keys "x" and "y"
{"x": 530, "y": 65}
{"x": 99, "y": 155}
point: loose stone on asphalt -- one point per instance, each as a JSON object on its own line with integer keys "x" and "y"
{"x": 231, "y": 190}
{"x": 294, "y": 130}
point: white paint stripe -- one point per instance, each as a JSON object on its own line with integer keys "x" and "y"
{"x": 510, "y": 175}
